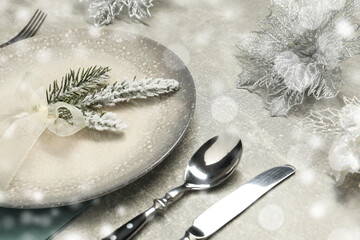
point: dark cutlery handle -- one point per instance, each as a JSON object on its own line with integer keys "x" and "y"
{"x": 129, "y": 229}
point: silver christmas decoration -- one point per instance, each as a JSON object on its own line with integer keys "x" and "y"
{"x": 104, "y": 11}
{"x": 343, "y": 127}
{"x": 298, "y": 51}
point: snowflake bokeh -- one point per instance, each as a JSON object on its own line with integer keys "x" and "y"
{"x": 298, "y": 51}
{"x": 318, "y": 210}
{"x": 271, "y": 217}
{"x": 224, "y": 109}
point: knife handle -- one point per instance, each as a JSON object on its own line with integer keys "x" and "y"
{"x": 129, "y": 229}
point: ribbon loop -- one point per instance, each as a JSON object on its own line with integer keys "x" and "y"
{"x": 62, "y": 127}
{"x": 16, "y": 143}
{"x": 27, "y": 120}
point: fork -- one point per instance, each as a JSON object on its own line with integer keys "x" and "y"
{"x": 30, "y": 29}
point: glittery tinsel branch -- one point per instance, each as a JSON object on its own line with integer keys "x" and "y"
{"x": 324, "y": 122}
{"x": 333, "y": 122}
{"x": 343, "y": 127}
{"x": 298, "y": 51}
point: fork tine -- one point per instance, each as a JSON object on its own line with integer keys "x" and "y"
{"x": 29, "y": 24}
{"x": 39, "y": 25}
{"x": 28, "y": 31}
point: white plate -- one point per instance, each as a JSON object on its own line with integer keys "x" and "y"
{"x": 61, "y": 171}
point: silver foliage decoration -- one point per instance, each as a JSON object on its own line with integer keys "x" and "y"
{"x": 298, "y": 51}
{"x": 104, "y": 11}
{"x": 343, "y": 126}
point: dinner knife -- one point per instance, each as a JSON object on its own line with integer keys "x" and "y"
{"x": 236, "y": 202}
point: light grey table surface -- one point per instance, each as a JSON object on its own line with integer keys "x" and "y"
{"x": 203, "y": 33}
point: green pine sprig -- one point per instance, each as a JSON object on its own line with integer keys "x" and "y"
{"x": 75, "y": 86}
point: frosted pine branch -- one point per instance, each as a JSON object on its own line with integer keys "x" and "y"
{"x": 89, "y": 91}
{"x": 128, "y": 90}
{"x": 104, "y": 121}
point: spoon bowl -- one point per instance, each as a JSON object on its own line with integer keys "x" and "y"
{"x": 214, "y": 162}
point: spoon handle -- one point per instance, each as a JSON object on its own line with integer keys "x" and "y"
{"x": 129, "y": 229}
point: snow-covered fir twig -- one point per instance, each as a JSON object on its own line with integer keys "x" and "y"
{"x": 104, "y": 11}
{"x": 128, "y": 90}
{"x": 298, "y": 51}
{"x": 104, "y": 121}
{"x": 88, "y": 90}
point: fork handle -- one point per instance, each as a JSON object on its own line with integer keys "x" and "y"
{"x": 4, "y": 45}
{"x": 11, "y": 41}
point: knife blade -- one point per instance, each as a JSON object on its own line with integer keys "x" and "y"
{"x": 236, "y": 202}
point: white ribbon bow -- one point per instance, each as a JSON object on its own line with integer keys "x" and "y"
{"x": 27, "y": 120}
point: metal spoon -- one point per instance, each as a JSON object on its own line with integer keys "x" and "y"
{"x": 214, "y": 162}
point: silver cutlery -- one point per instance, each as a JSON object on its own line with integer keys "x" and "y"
{"x": 30, "y": 29}
{"x": 214, "y": 162}
{"x": 236, "y": 202}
